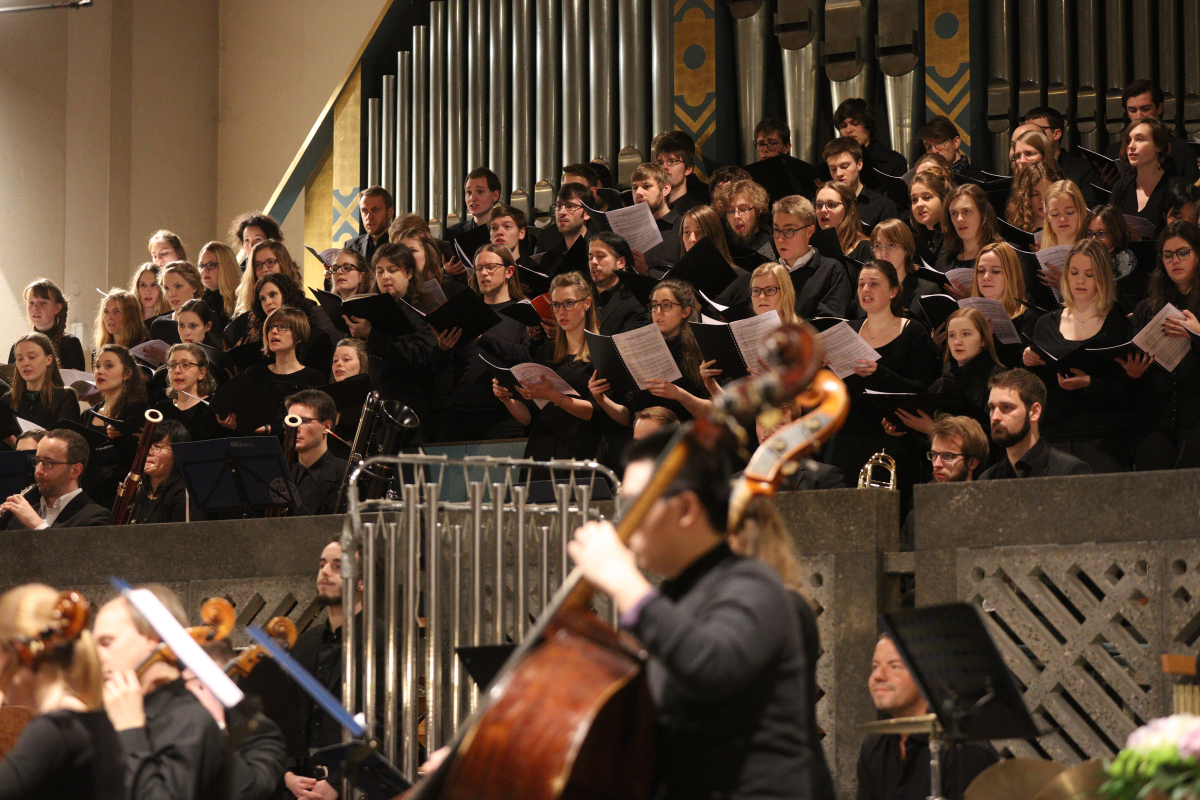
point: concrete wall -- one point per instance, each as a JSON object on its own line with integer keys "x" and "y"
{"x": 134, "y": 115}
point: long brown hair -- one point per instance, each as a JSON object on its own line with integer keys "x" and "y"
{"x": 575, "y": 280}
{"x": 46, "y": 289}
{"x": 402, "y": 257}
{"x": 53, "y": 382}
{"x": 1162, "y": 289}
{"x": 849, "y": 230}
{"x": 1019, "y": 211}
{"x": 981, "y": 325}
{"x": 689, "y": 350}
{"x": 989, "y": 228}
{"x": 133, "y": 328}
{"x": 229, "y": 274}
{"x": 152, "y": 268}
{"x": 433, "y": 256}
{"x": 506, "y": 258}
{"x": 709, "y": 222}
{"x": 133, "y": 389}
{"x": 246, "y": 292}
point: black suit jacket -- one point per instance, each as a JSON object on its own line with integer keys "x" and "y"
{"x": 81, "y": 512}
{"x": 365, "y": 245}
{"x": 620, "y": 311}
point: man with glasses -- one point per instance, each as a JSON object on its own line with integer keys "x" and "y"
{"x": 1076, "y": 169}
{"x": 61, "y": 458}
{"x": 675, "y": 152}
{"x": 316, "y": 472}
{"x": 570, "y": 219}
{"x": 941, "y": 136}
{"x": 958, "y": 447}
{"x": 772, "y": 137}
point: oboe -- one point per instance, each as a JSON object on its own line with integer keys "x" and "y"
{"x": 128, "y": 488}
{"x": 29, "y": 493}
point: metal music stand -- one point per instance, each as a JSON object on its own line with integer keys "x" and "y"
{"x": 246, "y": 474}
{"x": 961, "y": 675}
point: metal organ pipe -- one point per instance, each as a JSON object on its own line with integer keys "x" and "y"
{"x": 547, "y": 117}
{"x": 499, "y": 122}
{"x": 388, "y": 177}
{"x": 456, "y": 112}
{"x": 796, "y": 30}
{"x": 1116, "y": 41}
{"x": 631, "y": 65}
{"x": 848, "y": 36}
{"x": 437, "y": 111}
{"x": 752, "y": 27}
{"x": 478, "y": 86}
{"x": 662, "y": 67}
{"x": 1002, "y": 71}
{"x": 522, "y": 139}
{"x": 604, "y": 99}
{"x": 571, "y": 73}
{"x": 1031, "y": 92}
{"x": 420, "y": 113}
{"x": 403, "y": 193}
{"x": 373, "y": 145}
{"x": 1060, "y": 61}
{"x": 900, "y": 62}
{"x": 1089, "y": 93}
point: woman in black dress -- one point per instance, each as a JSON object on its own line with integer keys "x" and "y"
{"x": 285, "y": 332}
{"x": 180, "y": 283}
{"x": 1167, "y": 430}
{"x": 162, "y": 495}
{"x": 46, "y": 309}
{"x": 927, "y": 194}
{"x": 221, "y": 275}
{"x": 37, "y": 393}
{"x": 837, "y": 208}
{"x": 1086, "y": 412}
{"x": 564, "y": 426}
{"x": 906, "y": 364}
{"x": 123, "y": 398}
{"x": 69, "y": 749}
{"x": 274, "y": 291}
{"x": 971, "y": 226}
{"x": 190, "y": 384}
{"x": 998, "y": 277}
{"x": 1143, "y": 193}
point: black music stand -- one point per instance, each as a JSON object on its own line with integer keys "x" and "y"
{"x": 16, "y": 471}
{"x": 246, "y": 474}
{"x": 961, "y": 675}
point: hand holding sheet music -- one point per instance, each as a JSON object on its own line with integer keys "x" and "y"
{"x": 993, "y": 311}
{"x": 1167, "y": 350}
{"x": 635, "y": 224}
{"x": 631, "y": 359}
{"x": 844, "y": 349}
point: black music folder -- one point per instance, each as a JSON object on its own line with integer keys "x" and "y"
{"x": 465, "y": 310}
{"x": 705, "y": 268}
{"x": 381, "y": 310}
{"x": 255, "y": 402}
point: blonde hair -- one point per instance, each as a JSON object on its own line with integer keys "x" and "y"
{"x": 1064, "y": 189}
{"x": 152, "y": 268}
{"x": 849, "y": 230}
{"x": 763, "y": 535}
{"x": 206, "y": 385}
{"x": 27, "y": 611}
{"x": 164, "y": 235}
{"x": 186, "y": 270}
{"x": 787, "y": 292}
{"x": 1014, "y": 280}
{"x": 575, "y": 280}
{"x": 799, "y": 207}
{"x": 755, "y": 195}
{"x": 1106, "y": 290}
{"x": 229, "y": 274}
{"x": 133, "y": 329}
{"x": 1038, "y": 141}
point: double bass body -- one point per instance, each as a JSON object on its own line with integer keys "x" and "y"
{"x": 576, "y": 721}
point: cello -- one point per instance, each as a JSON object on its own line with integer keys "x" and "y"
{"x": 570, "y": 713}
{"x": 218, "y": 618}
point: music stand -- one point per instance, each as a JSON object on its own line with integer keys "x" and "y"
{"x": 246, "y": 473}
{"x": 16, "y": 471}
{"x": 961, "y": 675}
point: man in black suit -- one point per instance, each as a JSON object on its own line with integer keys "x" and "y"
{"x": 377, "y": 209}
{"x": 620, "y": 310}
{"x": 727, "y": 663}
{"x": 1015, "y": 402}
{"x": 61, "y": 458}
{"x": 481, "y": 193}
{"x": 316, "y": 472}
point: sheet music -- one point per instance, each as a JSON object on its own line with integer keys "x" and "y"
{"x": 462, "y": 256}
{"x": 710, "y": 301}
{"x": 636, "y": 225}
{"x": 645, "y": 353}
{"x": 83, "y": 383}
{"x": 963, "y": 278}
{"x": 1054, "y": 257}
{"x": 433, "y": 289}
{"x": 540, "y": 373}
{"x": 1167, "y": 350}
{"x": 27, "y": 426}
{"x": 750, "y": 334}
{"x": 315, "y": 254}
{"x": 153, "y": 352}
{"x": 844, "y": 348}
{"x": 993, "y": 311}
{"x": 1143, "y": 227}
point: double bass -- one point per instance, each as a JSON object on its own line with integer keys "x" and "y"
{"x": 570, "y": 714}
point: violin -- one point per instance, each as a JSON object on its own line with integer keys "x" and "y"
{"x": 218, "y": 618}
{"x": 281, "y": 629}
{"x": 570, "y": 714}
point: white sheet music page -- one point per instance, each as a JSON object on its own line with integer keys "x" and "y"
{"x": 993, "y": 311}
{"x": 646, "y": 355}
{"x": 844, "y": 348}
{"x": 636, "y": 225}
{"x": 963, "y": 277}
{"x": 750, "y": 335}
{"x": 1167, "y": 350}
{"x": 529, "y": 373}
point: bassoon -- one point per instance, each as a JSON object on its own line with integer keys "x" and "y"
{"x": 128, "y": 488}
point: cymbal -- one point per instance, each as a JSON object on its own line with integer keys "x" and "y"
{"x": 1080, "y": 782}
{"x": 922, "y": 724}
{"x": 1012, "y": 779}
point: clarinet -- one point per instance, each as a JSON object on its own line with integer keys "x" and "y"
{"x": 30, "y": 493}
{"x": 291, "y": 424}
{"x": 128, "y": 488}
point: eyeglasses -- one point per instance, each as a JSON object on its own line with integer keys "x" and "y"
{"x": 1176, "y": 255}
{"x": 662, "y": 305}
{"x": 160, "y": 449}
{"x": 267, "y": 263}
{"x": 931, "y": 146}
{"x": 345, "y": 268}
{"x": 205, "y": 266}
{"x": 885, "y": 247}
{"x": 171, "y": 367}
{"x": 569, "y": 207}
{"x": 788, "y": 233}
{"x": 667, "y": 163}
{"x": 49, "y": 463}
{"x": 282, "y": 327}
{"x": 567, "y": 304}
{"x": 768, "y": 291}
{"x": 489, "y": 268}
{"x": 946, "y": 458}
{"x": 767, "y": 144}
{"x": 1101, "y": 235}
{"x": 827, "y": 205}
{"x": 740, "y": 211}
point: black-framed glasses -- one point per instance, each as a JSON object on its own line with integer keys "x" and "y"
{"x": 788, "y": 233}
{"x": 489, "y": 268}
{"x": 1101, "y": 235}
{"x": 205, "y": 266}
{"x": 160, "y": 449}
{"x": 828, "y": 205}
{"x": 282, "y": 327}
{"x": 768, "y": 144}
{"x": 345, "y": 268}
{"x": 567, "y": 304}
{"x": 48, "y": 463}
{"x": 1176, "y": 255}
{"x": 174, "y": 365}
{"x": 662, "y": 305}
{"x": 946, "y": 458}
{"x": 571, "y": 207}
{"x": 667, "y": 163}
{"x": 764, "y": 291}
{"x": 267, "y": 263}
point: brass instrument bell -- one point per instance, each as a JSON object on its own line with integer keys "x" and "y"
{"x": 866, "y": 475}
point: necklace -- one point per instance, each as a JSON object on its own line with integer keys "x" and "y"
{"x": 875, "y": 336}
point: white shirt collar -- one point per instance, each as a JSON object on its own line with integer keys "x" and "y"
{"x": 801, "y": 261}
